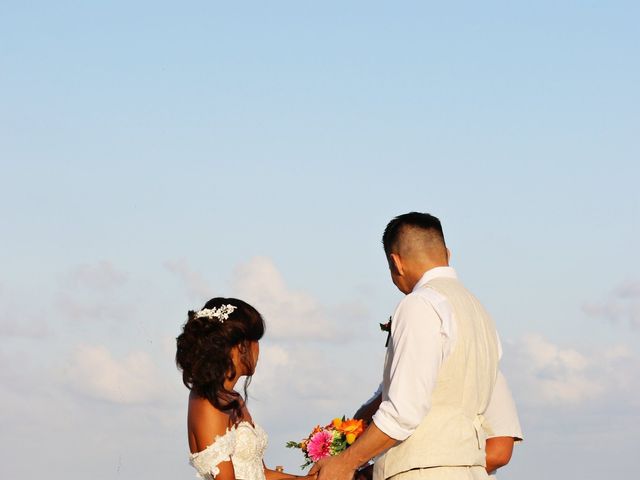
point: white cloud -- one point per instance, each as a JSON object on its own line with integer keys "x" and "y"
{"x": 547, "y": 375}
{"x": 43, "y": 420}
{"x": 288, "y": 313}
{"x": 574, "y": 403}
{"x": 305, "y": 372}
{"x": 622, "y": 305}
{"x": 94, "y": 371}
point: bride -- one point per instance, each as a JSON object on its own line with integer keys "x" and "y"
{"x": 218, "y": 345}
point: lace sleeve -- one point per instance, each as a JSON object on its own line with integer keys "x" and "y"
{"x": 206, "y": 462}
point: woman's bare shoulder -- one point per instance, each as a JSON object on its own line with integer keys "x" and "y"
{"x": 205, "y": 423}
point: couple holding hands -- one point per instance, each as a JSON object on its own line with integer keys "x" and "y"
{"x": 443, "y": 409}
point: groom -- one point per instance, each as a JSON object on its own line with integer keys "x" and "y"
{"x": 439, "y": 372}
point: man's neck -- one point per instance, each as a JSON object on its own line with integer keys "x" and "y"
{"x": 425, "y": 267}
{"x": 423, "y": 271}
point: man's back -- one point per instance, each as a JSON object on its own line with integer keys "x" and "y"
{"x": 451, "y": 433}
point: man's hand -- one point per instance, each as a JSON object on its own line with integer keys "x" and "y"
{"x": 342, "y": 467}
{"x": 333, "y": 468}
{"x": 499, "y": 450}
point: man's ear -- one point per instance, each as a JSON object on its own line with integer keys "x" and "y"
{"x": 448, "y": 255}
{"x": 395, "y": 263}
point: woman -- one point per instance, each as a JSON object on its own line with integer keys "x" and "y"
{"x": 218, "y": 345}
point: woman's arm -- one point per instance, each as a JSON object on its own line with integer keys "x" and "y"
{"x": 277, "y": 475}
{"x": 226, "y": 471}
{"x": 366, "y": 411}
{"x": 208, "y": 426}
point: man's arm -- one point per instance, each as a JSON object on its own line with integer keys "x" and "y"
{"x": 499, "y": 450}
{"x": 371, "y": 443}
{"x": 417, "y": 350}
{"x": 501, "y": 425}
{"x": 415, "y": 357}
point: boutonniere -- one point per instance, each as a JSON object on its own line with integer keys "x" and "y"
{"x": 386, "y": 327}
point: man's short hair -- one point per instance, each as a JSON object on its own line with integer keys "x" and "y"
{"x": 422, "y": 221}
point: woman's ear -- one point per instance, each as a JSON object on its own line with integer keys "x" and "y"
{"x": 244, "y": 358}
{"x": 235, "y": 361}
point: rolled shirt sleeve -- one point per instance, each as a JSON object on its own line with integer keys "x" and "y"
{"x": 501, "y": 417}
{"x": 419, "y": 344}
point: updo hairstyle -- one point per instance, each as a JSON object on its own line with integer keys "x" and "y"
{"x": 204, "y": 352}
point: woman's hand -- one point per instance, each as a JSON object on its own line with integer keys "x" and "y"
{"x": 280, "y": 475}
{"x": 364, "y": 473}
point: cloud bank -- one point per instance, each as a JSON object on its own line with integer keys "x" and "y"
{"x": 548, "y": 375}
{"x": 133, "y": 379}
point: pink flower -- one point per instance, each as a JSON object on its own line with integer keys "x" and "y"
{"x": 318, "y": 447}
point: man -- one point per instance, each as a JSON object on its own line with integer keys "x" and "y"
{"x": 439, "y": 372}
{"x": 501, "y": 426}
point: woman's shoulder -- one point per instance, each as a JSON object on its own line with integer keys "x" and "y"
{"x": 205, "y": 423}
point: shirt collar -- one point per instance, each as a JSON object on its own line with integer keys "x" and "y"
{"x": 437, "y": 272}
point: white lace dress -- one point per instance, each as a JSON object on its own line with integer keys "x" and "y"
{"x": 243, "y": 444}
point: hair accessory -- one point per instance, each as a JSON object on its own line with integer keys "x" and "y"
{"x": 221, "y": 313}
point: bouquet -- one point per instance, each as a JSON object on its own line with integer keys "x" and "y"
{"x": 330, "y": 440}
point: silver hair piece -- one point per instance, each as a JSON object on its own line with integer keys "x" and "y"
{"x": 221, "y": 313}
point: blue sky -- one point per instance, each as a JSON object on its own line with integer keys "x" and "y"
{"x": 155, "y": 155}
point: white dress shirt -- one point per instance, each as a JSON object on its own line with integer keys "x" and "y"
{"x": 423, "y": 333}
{"x": 501, "y": 418}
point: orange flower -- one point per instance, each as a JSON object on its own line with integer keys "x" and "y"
{"x": 350, "y": 427}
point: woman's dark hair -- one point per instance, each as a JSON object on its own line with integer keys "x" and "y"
{"x": 204, "y": 352}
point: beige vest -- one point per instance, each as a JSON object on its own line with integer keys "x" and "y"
{"x": 451, "y": 434}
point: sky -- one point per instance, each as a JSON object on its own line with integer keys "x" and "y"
{"x": 155, "y": 155}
